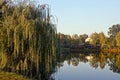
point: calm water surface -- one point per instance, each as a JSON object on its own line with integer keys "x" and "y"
{"x": 87, "y": 67}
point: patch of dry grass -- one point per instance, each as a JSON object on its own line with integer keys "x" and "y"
{"x": 11, "y": 76}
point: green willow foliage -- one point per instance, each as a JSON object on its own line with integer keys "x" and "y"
{"x": 27, "y": 38}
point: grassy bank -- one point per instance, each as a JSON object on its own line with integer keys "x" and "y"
{"x": 11, "y": 76}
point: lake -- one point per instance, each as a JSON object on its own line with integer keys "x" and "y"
{"x": 102, "y": 66}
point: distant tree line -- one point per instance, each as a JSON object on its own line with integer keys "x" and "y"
{"x": 113, "y": 40}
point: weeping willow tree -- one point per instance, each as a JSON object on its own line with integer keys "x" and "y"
{"x": 27, "y": 38}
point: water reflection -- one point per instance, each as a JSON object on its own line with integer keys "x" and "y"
{"x": 74, "y": 66}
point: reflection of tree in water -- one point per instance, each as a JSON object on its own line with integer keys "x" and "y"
{"x": 68, "y": 62}
{"x": 113, "y": 66}
{"x": 75, "y": 61}
{"x": 114, "y": 63}
{"x": 103, "y": 60}
{"x": 82, "y": 58}
{"x": 97, "y": 60}
{"x": 94, "y": 62}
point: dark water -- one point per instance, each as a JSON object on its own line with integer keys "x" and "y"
{"x": 102, "y": 66}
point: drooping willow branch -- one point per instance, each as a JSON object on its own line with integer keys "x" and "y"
{"x": 27, "y": 38}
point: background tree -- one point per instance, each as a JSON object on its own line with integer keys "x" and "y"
{"x": 83, "y": 37}
{"x": 68, "y": 40}
{"x": 75, "y": 40}
{"x": 95, "y": 38}
{"x": 103, "y": 39}
{"x": 113, "y": 31}
{"x": 117, "y": 38}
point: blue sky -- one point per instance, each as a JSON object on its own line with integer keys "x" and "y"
{"x": 85, "y": 16}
